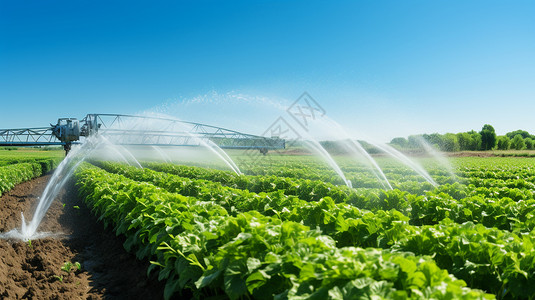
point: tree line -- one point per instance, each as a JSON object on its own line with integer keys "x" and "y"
{"x": 486, "y": 139}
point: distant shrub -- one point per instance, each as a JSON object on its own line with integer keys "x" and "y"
{"x": 518, "y": 142}
{"x": 529, "y": 143}
{"x": 503, "y": 143}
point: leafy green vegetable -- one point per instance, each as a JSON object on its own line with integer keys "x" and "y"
{"x": 198, "y": 244}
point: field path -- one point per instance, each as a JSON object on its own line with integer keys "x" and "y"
{"x": 34, "y": 271}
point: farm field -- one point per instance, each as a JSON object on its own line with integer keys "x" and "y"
{"x": 17, "y": 166}
{"x": 30, "y": 153}
{"x": 283, "y": 150}
{"x": 289, "y": 228}
{"x": 46, "y": 268}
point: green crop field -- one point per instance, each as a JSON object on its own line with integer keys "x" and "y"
{"x": 290, "y": 229}
{"x": 20, "y": 165}
{"x": 267, "y": 150}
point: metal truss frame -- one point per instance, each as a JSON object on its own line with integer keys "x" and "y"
{"x": 141, "y": 130}
{"x": 28, "y": 137}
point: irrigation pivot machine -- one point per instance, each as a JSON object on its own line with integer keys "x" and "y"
{"x": 136, "y": 130}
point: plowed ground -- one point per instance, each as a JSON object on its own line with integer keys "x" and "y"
{"x": 33, "y": 271}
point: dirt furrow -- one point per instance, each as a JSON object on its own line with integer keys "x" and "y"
{"x": 48, "y": 268}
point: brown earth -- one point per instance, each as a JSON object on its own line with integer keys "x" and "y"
{"x": 470, "y": 154}
{"x": 33, "y": 270}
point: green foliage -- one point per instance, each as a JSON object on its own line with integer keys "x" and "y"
{"x": 400, "y": 141}
{"x": 413, "y": 141}
{"x": 469, "y": 140}
{"x": 488, "y": 137}
{"x": 529, "y": 143}
{"x": 68, "y": 266}
{"x": 266, "y": 236}
{"x": 251, "y": 250}
{"x": 503, "y": 143}
{"x": 522, "y": 133}
{"x": 16, "y": 168}
{"x": 433, "y": 139}
{"x": 518, "y": 142}
{"x": 448, "y": 142}
{"x": 12, "y": 175}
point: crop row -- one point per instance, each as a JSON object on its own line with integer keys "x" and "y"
{"x": 309, "y": 190}
{"x": 467, "y": 250}
{"x": 503, "y": 213}
{"x": 47, "y": 163}
{"x": 361, "y": 176}
{"x": 504, "y": 173}
{"x": 13, "y": 174}
{"x": 199, "y": 246}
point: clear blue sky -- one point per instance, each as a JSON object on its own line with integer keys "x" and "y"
{"x": 380, "y": 68}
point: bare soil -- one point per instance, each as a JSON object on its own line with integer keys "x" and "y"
{"x": 470, "y": 154}
{"x": 33, "y": 270}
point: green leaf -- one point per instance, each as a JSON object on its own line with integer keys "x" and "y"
{"x": 256, "y": 280}
{"x": 253, "y": 263}
{"x": 208, "y": 279}
{"x": 170, "y": 288}
{"x": 235, "y": 286}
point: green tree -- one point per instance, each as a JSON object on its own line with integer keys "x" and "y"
{"x": 449, "y": 143}
{"x": 434, "y": 139}
{"x": 488, "y": 137}
{"x": 475, "y": 140}
{"x": 518, "y": 142}
{"x": 523, "y": 133}
{"x": 503, "y": 142}
{"x": 469, "y": 140}
{"x": 414, "y": 141}
{"x": 529, "y": 143}
{"x": 399, "y": 141}
{"x": 464, "y": 140}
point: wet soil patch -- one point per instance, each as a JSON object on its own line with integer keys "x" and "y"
{"x": 48, "y": 268}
